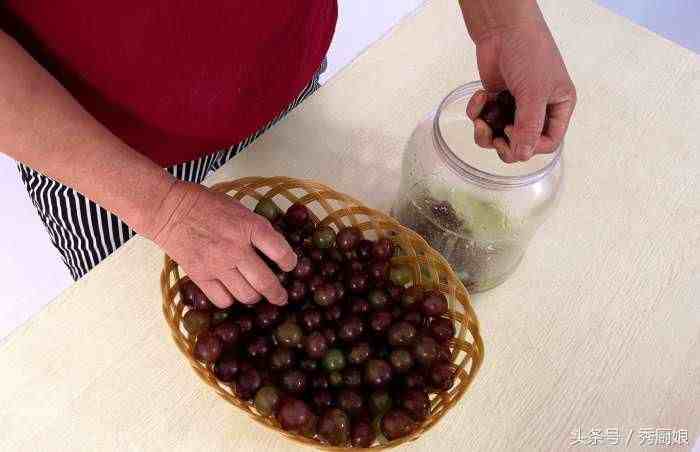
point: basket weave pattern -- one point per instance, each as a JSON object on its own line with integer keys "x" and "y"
{"x": 338, "y": 210}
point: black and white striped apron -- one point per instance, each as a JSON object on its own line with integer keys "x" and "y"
{"x": 84, "y": 232}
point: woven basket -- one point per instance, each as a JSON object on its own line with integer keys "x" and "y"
{"x": 337, "y": 210}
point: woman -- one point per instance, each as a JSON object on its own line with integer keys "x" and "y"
{"x": 117, "y": 112}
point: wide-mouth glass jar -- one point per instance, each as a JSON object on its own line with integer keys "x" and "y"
{"x": 477, "y": 211}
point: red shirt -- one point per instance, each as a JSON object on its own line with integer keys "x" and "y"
{"x": 177, "y": 79}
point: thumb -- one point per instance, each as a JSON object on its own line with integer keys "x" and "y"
{"x": 529, "y": 122}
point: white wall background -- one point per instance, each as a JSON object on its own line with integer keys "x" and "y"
{"x": 32, "y": 272}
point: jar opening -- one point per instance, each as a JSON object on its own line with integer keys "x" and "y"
{"x": 453, "y": 134}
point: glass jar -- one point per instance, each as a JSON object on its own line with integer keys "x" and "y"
{"x": 477, "y": 211}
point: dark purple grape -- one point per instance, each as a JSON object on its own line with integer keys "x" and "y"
{"x": 351, "y": 329}
{"x": 280, "y": 225}
{"x": 307, "y": 246}
{"x": 304, "y": 268}
{"x": 295, "y": 237}
{"x": 334, "y": 360}
{"x": 379, "y": 271}
{"x": 442, "y": 329}
{"x": 358, "y": 283}
{"x": 328, "y": 268}
{"x": 293, "y": 414}
{"x": 397, "y": 424}
{"x": 296, "y": 291}
{"x": 378, "y": 299}
{"x": 425, "y": 350}
{"x": 319, "y": 381}
{"x": 193, "y": 296}
{"x": 324, "y": 237}
{"x": 396, "y": 313}
{"x": 299, "y": 251}
{"x": 245, "y": 323}
{"x": 316, "y": 345}
{"x": 412, "y": 297}
{"x": 444, "y": 353}
{"x": 245, "y": 365}
{"x": 350, "y": 401}
{"x": 325, "y": 295}
{"x": 364, "y": 250}
{"x": 335, "y": 379}
{"x": 282, "y": 358}
{"x": 311, "y": 319}
{"x": 348, "y": 238}
{"x": 334, "y": 427}
{"x": 226, "y": 368}
{"x": 416, "y": 403}
{"x": 380, "y": 321}
{"x": 401, "y": 360}
{"x": 499, "y": 113}
{"x": 267, "y": 315}
{"x": 359, "y": 306}
{"x": 187, "y": 290}
{"x": 310, "y": 427}
{"x": 362, "y": 434}
{"x": 381, "y": 349}
{"x": 285, "y": 278}
{"x": 379, "y": 402}
{"x": 377, "y": 372}
{"x": 266, "y": 377}
{"x": 308, "y": 365}
{"x": 352, "y": 377}
{"x": 414, "y": 317}
{"x": 383, "y": 249}
{"x": 339, "y": 290}
{"x": 196, "y": 322}
{"x": 267, "y": 399}
{"x": 308, "y": 230}
{"x": 353, "y": 266}
{"x": 496, "y": 117}
{"x": 297, "y": 215}
{"x": 289, "y": 334}
{"x": 258, "y": 347}
{"x": 294, "y": 381}
{"x": 336, "y": 255}
{"x": 315, "y": 282}
{"x": 316, "y": 255}
{"x": 228, "y": 332}
{"x": 434, "y": 304}
{"x": 247, "y": 383}
{"x": 329, "y": 334}
{"x": 359, "y": 353}
{"x": 395, "y": 292}
{"x": 414, "y": 380}
{"x": 208, "y": 347}
{"x": 400, "y": 275}
{"x": 505, "y": 99}
{"x": 402, "y": 334}
{"x": 333, "y": 313}
{"x": 350, "y": 255}
{"x": 442, "y": 375}
{"x": 322, "y": 399}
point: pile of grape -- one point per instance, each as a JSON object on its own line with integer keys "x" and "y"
{"x": 353, "y": 355}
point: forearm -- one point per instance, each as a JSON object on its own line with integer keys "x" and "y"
{"x": 42, "y": 126}
{"x": 483, "y": 17}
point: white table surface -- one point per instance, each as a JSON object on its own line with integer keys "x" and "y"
{"x": 599, "y": 328}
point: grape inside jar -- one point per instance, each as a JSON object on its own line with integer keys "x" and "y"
{"x": 477, "y": 211}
